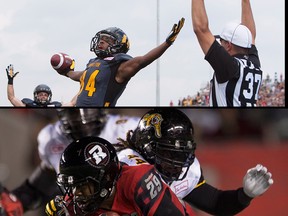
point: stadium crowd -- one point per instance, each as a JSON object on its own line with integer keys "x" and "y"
{"x": 271, "y": 93}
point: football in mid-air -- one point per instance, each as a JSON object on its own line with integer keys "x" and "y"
{"x": 62, "y": 62}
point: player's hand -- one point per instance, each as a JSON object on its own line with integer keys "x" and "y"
{"x": 68, "y": 69}
{"x": 10, "y": 74}
{"x": 56, "y": 207}
{"x": 72, "y": 66}
{"x": 9, "y": 204}
{"x": 175, "y": 31}
{"x": 257, "y": 181}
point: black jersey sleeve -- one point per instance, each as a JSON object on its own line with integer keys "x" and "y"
{"x": 254, "y": 57}
{"x": 120, "y": 57}
{"x": 218, "y": 202}
{"x": 28, "y": 102}
{"x": 224, "y": 65}
{"x": 38, "y": 189}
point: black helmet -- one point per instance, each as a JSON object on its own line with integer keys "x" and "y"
{"x": 120, "y": 42}
{"x": 165, "y": 138}
{"x": 42, "y": 88}
{"x": 77, "y": 123}
{"x": 88, "y": 163}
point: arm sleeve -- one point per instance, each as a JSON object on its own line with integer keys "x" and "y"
{"x": 38, "y": 189}
{"x": 224, "y": 65}
{"x": 253, "y": 56}
{"x": 218, "y": 202}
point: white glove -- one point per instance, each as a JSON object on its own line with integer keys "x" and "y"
{"x": 257, "y": 181}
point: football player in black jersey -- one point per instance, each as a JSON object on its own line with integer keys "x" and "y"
{"x": 237, "y": 74}
{"x": 106, "y": 76}
{"x": 42, "y": 94}
{"x": 165, "y": 138}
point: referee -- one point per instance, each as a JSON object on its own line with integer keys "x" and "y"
{"x": 237, "y": 75}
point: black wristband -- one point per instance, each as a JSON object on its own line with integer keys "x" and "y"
{"x": 169, "y": 42}
{"x": 10, "y": 81}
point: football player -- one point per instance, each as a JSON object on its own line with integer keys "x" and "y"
{"x": 42, "y": 94}
{"x": 73, "y": 124}
{"x": 93, "y": 181}
{"x": 112, "y": 68}
{"x": 165, "y": 138}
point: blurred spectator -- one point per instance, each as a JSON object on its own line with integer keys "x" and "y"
{"x": 260, "y": 126}
{"x": 271, "y": 93}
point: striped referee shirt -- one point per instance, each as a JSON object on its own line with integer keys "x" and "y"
{"x": 236, "y": 80}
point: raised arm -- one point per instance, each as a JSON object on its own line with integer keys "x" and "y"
{"x": 11, "y": 97}
{"x": 10, "y": 89}
{"x": 129, "y": 68}
{"x": 201, "y": 25}
{"x": 247, "y": 18}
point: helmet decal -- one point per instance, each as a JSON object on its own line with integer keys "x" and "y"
{"x": 124, "y": 39}
{"x": 96, "y": 154}
{"x": 154, "y": 120}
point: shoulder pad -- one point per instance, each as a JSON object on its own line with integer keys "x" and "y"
{"x": 29, "y": 103}
{"x": 122, "y": 57}
{"x": 91, "y": 60}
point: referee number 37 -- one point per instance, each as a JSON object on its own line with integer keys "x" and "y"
{"x": 252, "y": 78}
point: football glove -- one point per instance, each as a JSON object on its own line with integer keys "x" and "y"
{"x": 175, "y": 31}
{"x": 70, "y": 68}
{"x": 9, "y": 204}
{"x": 56, "y": 207}
{"x": 256, "y": 181}
{"x": 10, "y": 74}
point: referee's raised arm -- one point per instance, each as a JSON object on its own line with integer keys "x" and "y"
{"x": 247, "y": 18}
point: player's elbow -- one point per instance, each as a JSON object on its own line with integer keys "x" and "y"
{"x": 200, "y": 29}
{"x": 10, "y": 97}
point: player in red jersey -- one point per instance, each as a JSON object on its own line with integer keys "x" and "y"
{"x": 37, "y": 189}
{"x": 94, "y": 182}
